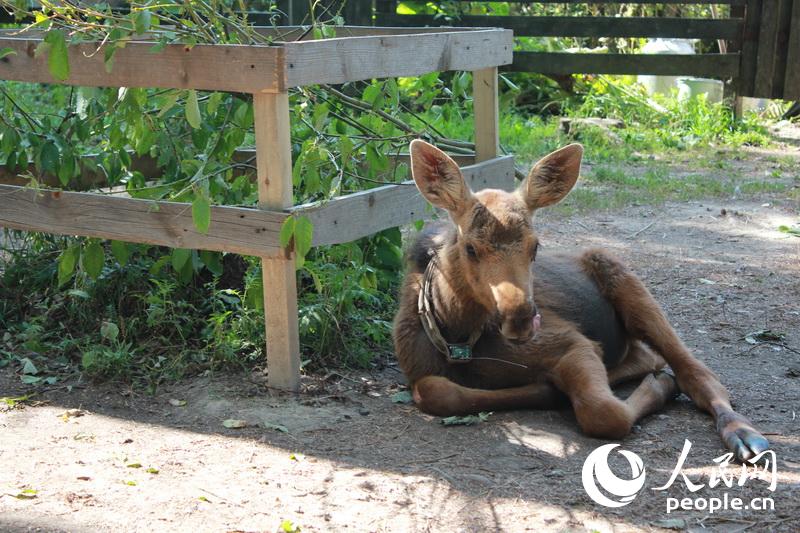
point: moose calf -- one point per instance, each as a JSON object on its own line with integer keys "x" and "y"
{"x": 470, "y": 337}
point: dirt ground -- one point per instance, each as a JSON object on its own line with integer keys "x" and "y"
{"x": 342, "y": 456}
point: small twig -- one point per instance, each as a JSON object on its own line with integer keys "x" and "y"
{"x": 632, "y": 235}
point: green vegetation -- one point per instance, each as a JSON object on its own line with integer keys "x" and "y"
{"x": 144, "y": 314}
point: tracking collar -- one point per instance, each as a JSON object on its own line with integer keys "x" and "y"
{"x": 455, "y": 352}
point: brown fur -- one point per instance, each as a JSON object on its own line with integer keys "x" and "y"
{"x": 484, "y": 278}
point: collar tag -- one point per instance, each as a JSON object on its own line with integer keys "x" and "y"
{"x": 459, "y": 353}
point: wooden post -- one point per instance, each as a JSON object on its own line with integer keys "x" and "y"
{"x": 274, "y": 163}
{"x": 486, "y": 113}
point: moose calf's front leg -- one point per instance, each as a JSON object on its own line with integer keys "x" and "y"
{"x": 582, "y": 375}
{"x": 437, "y": 395}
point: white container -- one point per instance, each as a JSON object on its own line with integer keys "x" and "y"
{"x": 664, "y": 84}
{"x": 689, "y": 88}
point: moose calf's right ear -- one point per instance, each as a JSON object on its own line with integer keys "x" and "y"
{"x": 438, "y": 177}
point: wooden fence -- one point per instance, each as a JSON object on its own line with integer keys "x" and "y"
{"x": 762, "y": 52}
{"x": 267, "y": 72}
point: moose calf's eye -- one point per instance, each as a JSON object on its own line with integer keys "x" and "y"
{"x": 471, "y": 252}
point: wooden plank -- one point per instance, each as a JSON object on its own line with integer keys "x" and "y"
{"x": 791, "y": 84}
{"x": 233, "y": 229}
{"x": 486, "y": 112}
{"x": 274, "y": 175}
{"x": 545, "y": 26}
{"x": 357, "y": 215}
{"x": 303, "y": 33}
{"x": 89, "y": 178}
{"x": 232, "y": 68}
{"x": 720, "y": 66}
{"x": 781, "y": 47}
{"x": 358, "y": 58}
{"x": 747, "y": 76}
{"x": 765, "y": 58}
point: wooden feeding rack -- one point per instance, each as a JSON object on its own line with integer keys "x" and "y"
{"x": 268, "y": 72}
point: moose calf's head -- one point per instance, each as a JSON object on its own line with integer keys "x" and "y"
{"x": 495, "y": 242}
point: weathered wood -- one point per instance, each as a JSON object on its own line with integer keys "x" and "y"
{"x": 274, "y": 175}
{"x": 210, "y": 67}
{"x": 781, "y": 47}
{"x": 791, "y": 84}
{"x": 747, "y": 75}
{"x": 341, "y": 60}
{"x": 707, "y": 65}
{"x": 357, "y": 215}
{"x": 89, "y": 177}
{"x": 560, "y": 26}
{"x": 233, "y": 229}
{"x": 765, "y": 61}
{"x": 486, "y": 113}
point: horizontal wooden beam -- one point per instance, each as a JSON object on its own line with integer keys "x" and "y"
{"x": 357, "y": 215}
{"x": 209, "y": 67}
{"x": 340, "y": 60}
{"x": 304, "y": 33}
{"x": 721, "y": 66}
{"x": 233, "y": 229}
{"x": 545, "y": 26}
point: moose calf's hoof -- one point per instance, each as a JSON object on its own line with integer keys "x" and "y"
{"x": 740, "y": 437}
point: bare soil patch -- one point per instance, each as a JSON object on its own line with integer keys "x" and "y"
{"x": 351, "y": 459}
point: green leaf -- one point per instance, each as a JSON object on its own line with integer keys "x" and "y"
{"x": 109, "y": 331}
{"x": 66, "y": 264}
{"x": 48, "y": 157}
{"x": 201, "y": 212}
{"x": 180, "y": 256}
{"x": 5, "y": 52}
{"x": 29, "y": 380}
{"x": 465, "y": 420}
{"x": 57, "y": 58}
{"x": 372, "y": 95}
{"x": 167, "y": 102}
{"x": 92, "y": 259}
{"x": 77, "y": 293}
{"x": 287, "y": 231}
{"x": 303, "y": 236}
{"x": 277, "y": 427}
{"x": 212, "y": 261}
{"x": 28, "y": 367}
{"x": 254, "y": 294}
{"x": 141, "y": 21}
{"x": 403, "y": 396}
{"x": 121, "y": 252}
{"x": 378, "y": 161}
{"x": 192, "y": 109}
{"x": 233, "y": 423}
{"x": 66, "y": 170}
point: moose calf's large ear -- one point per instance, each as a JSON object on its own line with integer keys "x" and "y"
{"x": 552, "y": 177}
{"x": 438, "y": 177}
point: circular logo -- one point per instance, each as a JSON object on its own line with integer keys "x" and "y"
{"x": 597, "y": 472}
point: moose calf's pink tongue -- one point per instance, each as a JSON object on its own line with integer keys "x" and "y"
{"x": 537, "y": 322}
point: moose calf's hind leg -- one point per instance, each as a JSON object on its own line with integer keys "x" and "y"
{"x": 644, "y": 320}
{"x": 638, "y": 363}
